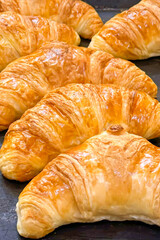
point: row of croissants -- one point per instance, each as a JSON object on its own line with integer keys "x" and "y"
{"x": 79, "y": 118}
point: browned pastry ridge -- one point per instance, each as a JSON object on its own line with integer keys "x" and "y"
{"x": 132, "y": 34}
{"x": 113, "y": 176}
{"x": 22, "y": 35}
{"x": 25, "y": 81}
{"x": 69, "y": 115}
{"x": 77, "y": 14}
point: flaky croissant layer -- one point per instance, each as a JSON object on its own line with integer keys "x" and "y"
{"x": 66, "y": 117}
{"x": 22, "y": 35}
{"x": 25, "y": 81}
{"x": 132, "y": 34}
{"x": 113, "y": 176}
{"x": 75, "y": 13}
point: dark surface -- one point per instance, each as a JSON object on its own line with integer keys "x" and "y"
{"x": 102, "y": 4}
{"x": 105, "y": 230}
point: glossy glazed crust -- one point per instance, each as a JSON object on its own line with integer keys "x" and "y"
{"x": 66, "y": 117}
{"x": 113, "y": 176}
{"x": 77, "y": 14}
{"x": 24, "y": 82}
{"x": 22, "y": 35}
{"x": 132, "y": 34}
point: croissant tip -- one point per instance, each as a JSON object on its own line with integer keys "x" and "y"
{"x": 33, "y": 222}
{"x": 18, "y": 169}
{"x": 26, "y": 226}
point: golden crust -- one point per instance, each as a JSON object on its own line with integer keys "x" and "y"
{"x": 110, "y": 176}
{"x": 22, "y": 35}
{"x": 132, "y": 34}
{"x": 77, "y": 14}
{"x": 66, "y": 117}
{"x": 24, "y": 82}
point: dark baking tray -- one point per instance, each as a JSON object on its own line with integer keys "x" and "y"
{"x": 104, "y": 230}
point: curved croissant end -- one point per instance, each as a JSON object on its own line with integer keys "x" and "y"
{"x": 17, "y": 163}
{"x": 22, "y": 170}
{"x": 99, "y": 43}
{"x": 33, "y": 222}
{"x": 7, "y": 115}
{"x": 89, "y": 23}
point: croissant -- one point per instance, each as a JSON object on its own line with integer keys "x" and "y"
{"x": 21, "y": 35}
{"x": 24, "y": 82}
{"x": 112, "y": 176}
{"x": 69, "y": 115}
{"x": 132, "y": 34}
{"x": 77, "y": 14}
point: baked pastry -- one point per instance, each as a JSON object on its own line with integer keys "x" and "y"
{"x": 113, "y": 176}
{"x": 22, "y": 35}
{"x": 132, "y": 34}
{"x": 57, "y": 64}
{"x": 77, "y": 14}
{"x": 68, "y": 116}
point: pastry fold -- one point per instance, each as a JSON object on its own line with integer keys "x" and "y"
{"x": 68, "y": 116}
{"x": 77, "y": 14}
{"x": 112, "y": 176}
{"x": 22, "y": 35}
{"x": 132, "y": 34}
{"x": 25, "y": 81}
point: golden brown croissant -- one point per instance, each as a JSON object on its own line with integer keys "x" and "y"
{"x": 113, "y": 176}
{"x": 77, "y": 14}
{"x": 24, "y": 82}
{"x": 22, "y": 35}
{"x": 132, "y": 34}
{"x": 68, "y": 116}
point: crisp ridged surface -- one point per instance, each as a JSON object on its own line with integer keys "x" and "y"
{"x": 68, "y": 116}
{"x": 113, "y": 176}
{"x": 25, "y": 81}
{"x": 77, "y": 14}
{"x": 132, "y": 34}
{"x": 22, "y": 35}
